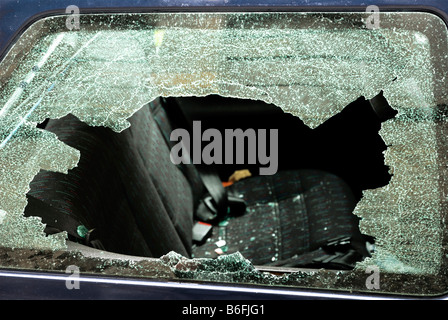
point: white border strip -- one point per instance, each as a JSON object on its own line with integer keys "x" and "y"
{"x": 187, "y": 285}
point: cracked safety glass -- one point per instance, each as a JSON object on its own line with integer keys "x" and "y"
{"x": 87, "y": 177}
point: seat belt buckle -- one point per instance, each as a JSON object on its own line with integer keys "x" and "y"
{"x": 201, "y": 231}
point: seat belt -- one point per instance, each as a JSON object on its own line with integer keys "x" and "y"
{"x": 216, "y": 192}
{"x": 58, "y": 221}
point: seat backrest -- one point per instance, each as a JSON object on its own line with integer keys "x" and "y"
{"x": 125, "y": 185}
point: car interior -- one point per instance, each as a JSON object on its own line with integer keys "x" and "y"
{"x": 127, "y": 196}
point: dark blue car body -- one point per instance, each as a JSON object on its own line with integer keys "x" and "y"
{"x": 17, "y": 15}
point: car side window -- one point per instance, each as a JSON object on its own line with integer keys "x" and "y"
{"x": 83, "y": 107}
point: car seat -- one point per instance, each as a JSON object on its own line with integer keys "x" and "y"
{"x": 139, "y": 203}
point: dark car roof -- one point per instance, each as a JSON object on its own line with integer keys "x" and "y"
{"x": 16, "y": 15}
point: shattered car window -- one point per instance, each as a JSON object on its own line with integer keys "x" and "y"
{"x": 311, "y": 65}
